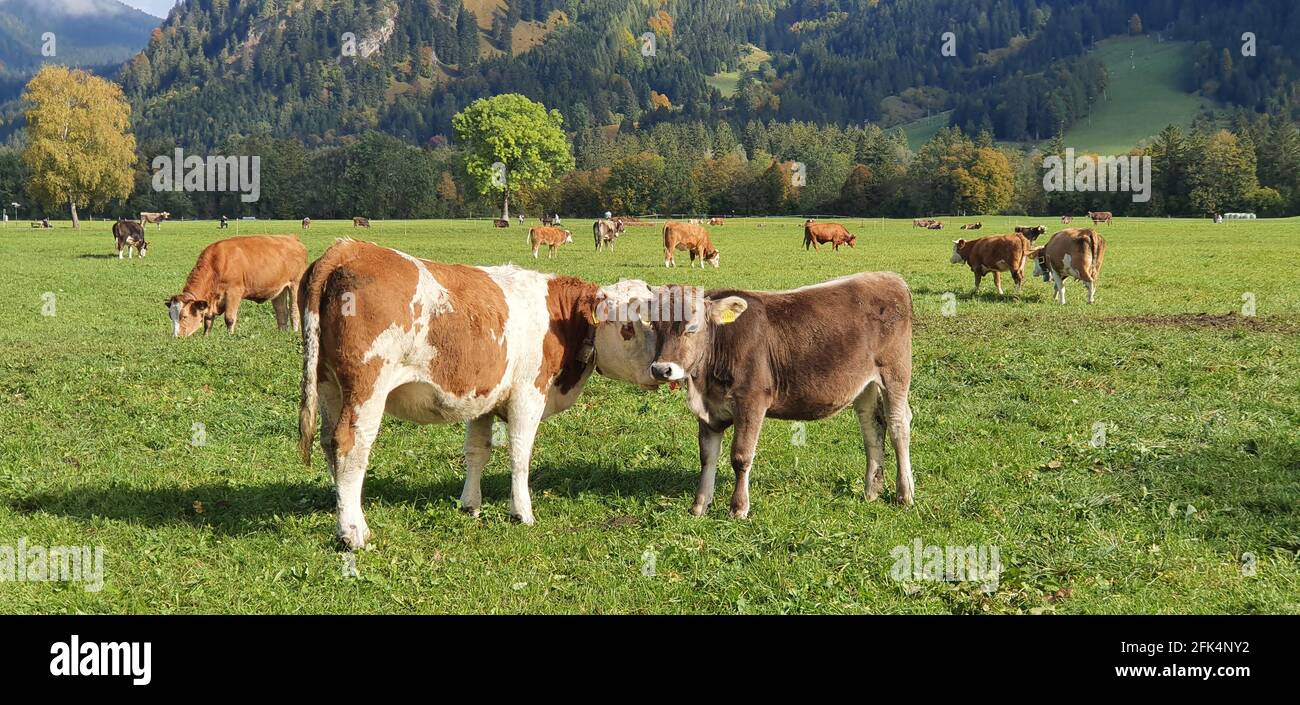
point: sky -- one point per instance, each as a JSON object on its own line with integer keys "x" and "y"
{"x": 157, "y": 8}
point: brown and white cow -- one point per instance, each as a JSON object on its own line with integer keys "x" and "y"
{"x": 448, "y": 343}
{"x": 799, "y": 355}
{"x": 921, "y": 222}
{"x": 360, "y": 222}
{"x": 972, "y": 226}
{"x": 550, "y": 236}
{"x": 606, "y": 232}
{"x": 129, "y": 234}
{"x": 692, "y": 238}
{"x": 833, "y": 233}
{"x": 1076, "y": 252}
{"x": 717, "y": 221}
{"x": 1065, "y": 220}
{"x": 1101, "y": 217}
{"x": 1031, "y": 232}
{"x": 156, "y": 218}
{"x": 306, "y": 223}
{"x": 996, "y": 254}
{"x": 259, "y": 268}
{"x": 935, "y": 225}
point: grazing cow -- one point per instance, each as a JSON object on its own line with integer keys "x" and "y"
{"x": 1031, "y": 232}
{"x": 935, "y": 225}
{"x": 921, "y": 222}
{"x": 693, "y": 238}
{"x": 447, "y": 343}
{"x": 1076, "y": 252}
{"x": 972, "y": 226}
{"x": 306, "y": 223}
{"x": 798, "y": 355}
{"x": 834, "y": 233}
{"x": 359, "y": 222}
{"x": 1101, "y": 217}
{"x": 260, "y": 268}
{"x": 156, "y": 218}
{"x": 551, "y": 237}
{"x": 1065, "y": 219}
{"x": 996, "y": 254}
{"x": 128, "y": 234}
{"x": 606, "y": 232}
{"x": 501, "y": 223}
{"x": 717, "y": 221}
{"x": 225, "y": 223}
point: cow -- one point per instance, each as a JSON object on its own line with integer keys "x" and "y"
{"x": 549, "y": 236}
{"x": 834, "y": 233}
{"x": 225, "y": 223}
{"x": 306, "y": 223}
{"x": 501, "y": 223}
{"x": 996, "y": 254}
{"x": 606, "y": 232}
{"x": 693, "y": 238}
{"x": 972, "y": 226}
{"x": 360, "y": 222}
{"x": 1031, "y": 232}
{"x": 128, "y": 234}
{"x": 1077, "y": 252}
{"x": 695, "y": 221}
{"x": 1100, "y": 217}
{"x": 1065, "y": 220}
{"x": 156, "y": 218}
{"x": 259, "y": 268}
{"x": 935, "y": 225}
{"x": 799, "y": 355}
{"x": 717, "y": 221}
{"x": 921, "y": 222}
{"x": 448, "y": 343}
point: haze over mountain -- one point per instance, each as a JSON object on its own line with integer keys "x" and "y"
{"x": 84, "y": 32}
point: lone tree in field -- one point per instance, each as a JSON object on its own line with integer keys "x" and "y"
{"x": 512, "y": 143}
{"x": 80, "y": 147}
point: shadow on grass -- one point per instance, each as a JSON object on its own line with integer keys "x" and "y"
{"x": 241, "y": 510}
{"x": 93, "y": 256}
{"x": 987, "y": 295}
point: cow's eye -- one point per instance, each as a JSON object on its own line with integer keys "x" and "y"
{"x": 692, "y": 328}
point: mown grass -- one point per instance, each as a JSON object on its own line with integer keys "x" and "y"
{"x": 98, "y": 407}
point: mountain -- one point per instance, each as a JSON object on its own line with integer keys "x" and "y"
{"x": 83, "y": 32}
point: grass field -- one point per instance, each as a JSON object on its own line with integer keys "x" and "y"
{"x": 1200, "y": 463}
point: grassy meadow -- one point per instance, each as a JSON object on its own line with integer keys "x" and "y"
{"x": 1189, "y": 504}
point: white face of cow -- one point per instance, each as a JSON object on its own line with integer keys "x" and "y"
{"x": 187, "y": 315}
{"x": 625, "y": 340}
{"x": 956, "y": 252}
{"x": 568, "y": 236}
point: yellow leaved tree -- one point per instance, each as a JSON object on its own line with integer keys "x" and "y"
{"x": 80, "y": 148}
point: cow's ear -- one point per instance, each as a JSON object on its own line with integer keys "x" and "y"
{"x": 727, "y": 310}
{"x": 959, "y": 243}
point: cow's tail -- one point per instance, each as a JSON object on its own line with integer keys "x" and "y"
{"x": 1094, "y": 255}
{"x": 313, "y": 286}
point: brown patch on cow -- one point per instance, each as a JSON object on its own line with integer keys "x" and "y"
{"x": 685, "y": 236}
{"x": 1217, "y": 321}
{"x": 473, "y": 363}
{"x": 571, "y": 303}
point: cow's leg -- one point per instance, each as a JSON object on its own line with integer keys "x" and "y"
{"x": 525, "y": 415}
{"x": 868, "y": 407}
{"x": 232, "y": 313}
{"x": 1092, "y": 290}
{"x": 744, "y": 443}
{"x": 1058, "y": 287}
{"x": 1018, "y": 275}
{"x": 997, "y": 282}
{"x": 710, "y": 447}
{"x": 668, "y": 258}
{"x": 119, "y": 251}
{"x": 535, "y": 248}
{"x": 478, "y": 450}
{"x": 897, "y": 382}
{"x": 278, "y": 306}
{"x": 293, "y": 306}
{"x": 978, "y": 276}
{"x": 354, "y": 433}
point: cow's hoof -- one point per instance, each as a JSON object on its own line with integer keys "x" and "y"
{"x": 354, "y": 536}
{"x": 740, "y": 512}
{"x": 871, "y": 495}
{"x": 904, "y": 500}
{"x": 472, "y": 511}
{"x": 699, "y": 510}
{"x": 525, "y": 519}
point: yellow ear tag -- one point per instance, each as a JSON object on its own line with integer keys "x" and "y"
{"x": 728, "y": 316}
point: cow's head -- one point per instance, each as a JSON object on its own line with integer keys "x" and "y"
{"x": 684, "y": 340}
{"x": 1033, "y": 233}
{"x": 188, "y": 314}
{"x": 851, "y": 240}
{"x": 568, "y": 236}
{"x": 144, "y": 248}
{"x": 958, "y": 252}
{"x": 712, "y": 256}
{"x": 1040, "y": 264}
{"x": 618, "y": 226}
{"x": 624, "y": 338}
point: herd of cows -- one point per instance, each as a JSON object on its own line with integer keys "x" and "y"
{"x": 388, "y": 333}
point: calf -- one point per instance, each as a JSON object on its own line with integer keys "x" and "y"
{"x": 1065, "y": 219}
{"x": 1076, "y": 252}
{"x": 692, "y": 238}
{"x": 996, "y": 254}
{"x": 551, "y": 237}
{"x": 800, "y": 355}
{"x": 128, "y": 234}
{"x": 972, "y": 226}
{"x": 306, "y": 223}
{"x": 387, "y": 333}
{"x": 1031, "y": 232}
{"x": 833, "y": 233}
{"x": 359, "y": 222}
{"x": 260, "y": 268}
{"x": 157, "y": 218}
{"x": 606, "y": 232}
{"x": 225, "y": 223}
{"x": 1101, "y": 217}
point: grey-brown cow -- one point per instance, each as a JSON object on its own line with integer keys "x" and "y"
{"x": 801, "y": 355}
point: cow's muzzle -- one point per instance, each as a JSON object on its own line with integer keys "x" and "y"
{"x": 667, "y": 371}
